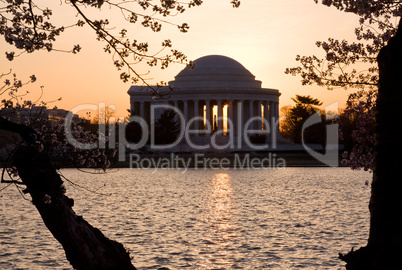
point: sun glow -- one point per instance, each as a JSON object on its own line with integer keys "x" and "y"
{"x": 266, "y": 45}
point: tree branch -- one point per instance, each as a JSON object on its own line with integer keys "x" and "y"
{"x": 28, "y": 134}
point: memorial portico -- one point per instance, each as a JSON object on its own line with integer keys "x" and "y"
{"x": 219, "y": 100}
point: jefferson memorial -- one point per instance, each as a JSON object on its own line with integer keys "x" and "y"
{"x": 219, "y": 105}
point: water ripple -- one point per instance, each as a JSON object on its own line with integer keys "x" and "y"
{"x": 295, "y": 218}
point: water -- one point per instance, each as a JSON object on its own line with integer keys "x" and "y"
{"x": 293, "y": 218}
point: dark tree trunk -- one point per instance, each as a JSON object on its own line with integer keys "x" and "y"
{"x": 85, "y": 246}
{"x": 384, "y": 248}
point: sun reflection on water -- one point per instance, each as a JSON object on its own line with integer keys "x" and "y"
{"x": 221, "y": 222}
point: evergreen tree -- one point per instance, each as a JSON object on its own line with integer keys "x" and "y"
{"x": 305, "y": 107}
{"x": 166, "y": 128}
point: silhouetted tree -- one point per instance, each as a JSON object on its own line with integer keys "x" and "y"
{"x": 167, "y": 128}
{"x": 383, "y": 45}
{"x": 133, "y": 132}
{"x": 29, "y": 26}
{"x": 295, "y": 117}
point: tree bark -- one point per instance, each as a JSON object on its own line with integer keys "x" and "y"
{"x": 384, "y": 248}
{"x": 85, "y": 246}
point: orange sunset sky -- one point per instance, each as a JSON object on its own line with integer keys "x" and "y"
{"x": 265, "y": 36}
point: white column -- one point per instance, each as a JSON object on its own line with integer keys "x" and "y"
{"x": 231, "y": 114}
{"x": 208, "y": 116}
{"x": 240, "y": 124}
{"x": 267, "y": 126}
{"x": 220, "y": 116}
{"x": 277, "y": 119}
{"x": 185, "y": 111}
{"x": 196, "y": 113}
{"x": 267, "y": 115}
{"x": 271, "y": 115}
{"x": 251, "y": 109}
{"x": 259, "y": 126}
{"x": 142, "y": 109}
{"x": 176, "y": 105}
{"x": 132, "y": 106}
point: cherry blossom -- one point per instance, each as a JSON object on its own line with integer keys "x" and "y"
{"x": 353, "y": 65}
{"x": 30, "y": 26}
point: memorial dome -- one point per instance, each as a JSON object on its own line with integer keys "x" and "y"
{"x": 215, "y": 71}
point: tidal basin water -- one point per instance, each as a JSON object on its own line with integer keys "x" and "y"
{"x": 291, "y": 218}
